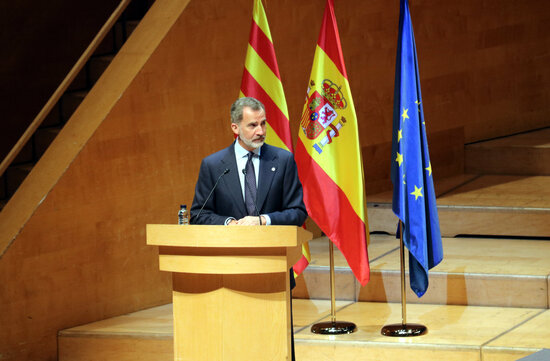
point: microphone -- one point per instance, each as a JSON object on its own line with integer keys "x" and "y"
{"x": 255, "y": 208}
{"x": 212, "y": 191}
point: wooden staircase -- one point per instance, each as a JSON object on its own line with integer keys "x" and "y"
{"x": 522, "y": 154}
{"x": 71, "y": 99}
{"x": 484, "y": 302}
{"x": 504, "y": 191}
{"x": 488, "y": 300}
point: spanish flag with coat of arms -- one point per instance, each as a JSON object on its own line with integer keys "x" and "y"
{"x": 328, "y": 153}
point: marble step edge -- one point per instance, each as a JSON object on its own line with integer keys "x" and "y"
{"x": 119, "y": 335}
{"x": 444, "y": 207}
{"x": 347, "y": 269}
{"x": 474, "y": 289}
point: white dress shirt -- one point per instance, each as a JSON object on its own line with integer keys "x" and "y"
{"x": 241, "y": 156}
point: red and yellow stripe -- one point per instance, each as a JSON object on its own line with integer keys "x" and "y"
{"x": 261, "y": 80}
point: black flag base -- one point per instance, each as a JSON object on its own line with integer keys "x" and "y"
{"x": 404, "y": 330}
{"x": 334, "y": 327}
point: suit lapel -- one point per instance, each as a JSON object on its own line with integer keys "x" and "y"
{"x": 268, "y": 168}
{"x": 231, "y": 179}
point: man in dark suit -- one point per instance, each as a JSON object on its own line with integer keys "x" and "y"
{"x": 258, "y": 183}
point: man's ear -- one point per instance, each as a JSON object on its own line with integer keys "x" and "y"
{"x": 235, "y": 128}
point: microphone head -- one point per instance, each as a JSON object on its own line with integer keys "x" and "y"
{"x": 244, "y": 171}
{"x": 226, "y": 171}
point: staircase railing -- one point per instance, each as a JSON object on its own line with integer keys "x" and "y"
{"x": 105, "y": 29}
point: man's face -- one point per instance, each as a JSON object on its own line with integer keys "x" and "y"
{"x": 251, "y": 130}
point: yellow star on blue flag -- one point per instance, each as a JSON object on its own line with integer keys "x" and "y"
{"x": 413, "y": 201}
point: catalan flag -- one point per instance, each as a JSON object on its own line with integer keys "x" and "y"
{"x": 413, "y": 190}
{"x": 328, "y": 152}
{"x": 261, "y": 80}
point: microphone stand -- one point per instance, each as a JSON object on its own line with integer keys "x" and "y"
{"x": 226, "y": 170}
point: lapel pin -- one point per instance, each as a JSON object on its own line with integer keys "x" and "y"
{"x": 273, "y": 169}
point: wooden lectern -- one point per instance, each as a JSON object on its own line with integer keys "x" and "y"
{"x": 230, "y": 288}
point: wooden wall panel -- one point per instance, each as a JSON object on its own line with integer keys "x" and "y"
{"x": 483, "y": 65}
{"x": 81, "y": 256}
{"x": 78, "y": 221}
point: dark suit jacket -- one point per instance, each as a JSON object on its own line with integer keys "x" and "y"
{"x": 279, "y": 189}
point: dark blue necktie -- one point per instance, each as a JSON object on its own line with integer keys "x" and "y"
{"x": 250, "y": 186}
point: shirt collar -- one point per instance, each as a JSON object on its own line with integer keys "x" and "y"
{"x": 240, "y": 152}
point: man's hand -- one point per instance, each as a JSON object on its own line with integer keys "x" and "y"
{"x": 248, "y": 221}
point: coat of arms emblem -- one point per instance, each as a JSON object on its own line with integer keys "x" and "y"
{"x": 321, "y": 113}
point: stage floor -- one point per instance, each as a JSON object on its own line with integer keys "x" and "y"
{"x": 454, "y": 333}
{"x": 513, "y": 272}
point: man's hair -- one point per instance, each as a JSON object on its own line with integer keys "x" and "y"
{"x": 238, "y": 106}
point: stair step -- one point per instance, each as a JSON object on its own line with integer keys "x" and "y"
{"x": 107, "y": 45}
{"x": 454, "y": 333}
{"x": 478, "y": 272}
{"x": 131, "y": 25}
{"x": 75, "y": 93}
{"x": 522, "y": 154}
{"x": 520, "y": 342}
{"x": 43, "y": 138}
{"x": 15, "y": 175}
{"x": 3, "y": 194}
{"x": 120, "y": 35}
{"x": 26, "y": 155}
{"x": 80, "y": 82}
{"x": 53, "y": 119}
{"x": 116, "y": 339}
{"x": 97, "y": 66}
{"x": 123, "y": 30}
{"x": 69, "y": 102}
{"x": 490, "y": 273}
{"x": 494, "y": 205}
{"x": 137, "y": 9}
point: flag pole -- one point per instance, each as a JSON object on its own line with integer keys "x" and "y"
{"x": 333, "y": 327}
{"x": 403, "y": 329}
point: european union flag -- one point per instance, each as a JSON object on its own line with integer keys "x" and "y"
{"x": 411, "y": 172}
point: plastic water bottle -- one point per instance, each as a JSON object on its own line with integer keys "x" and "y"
{"x": 183, "y": 215}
